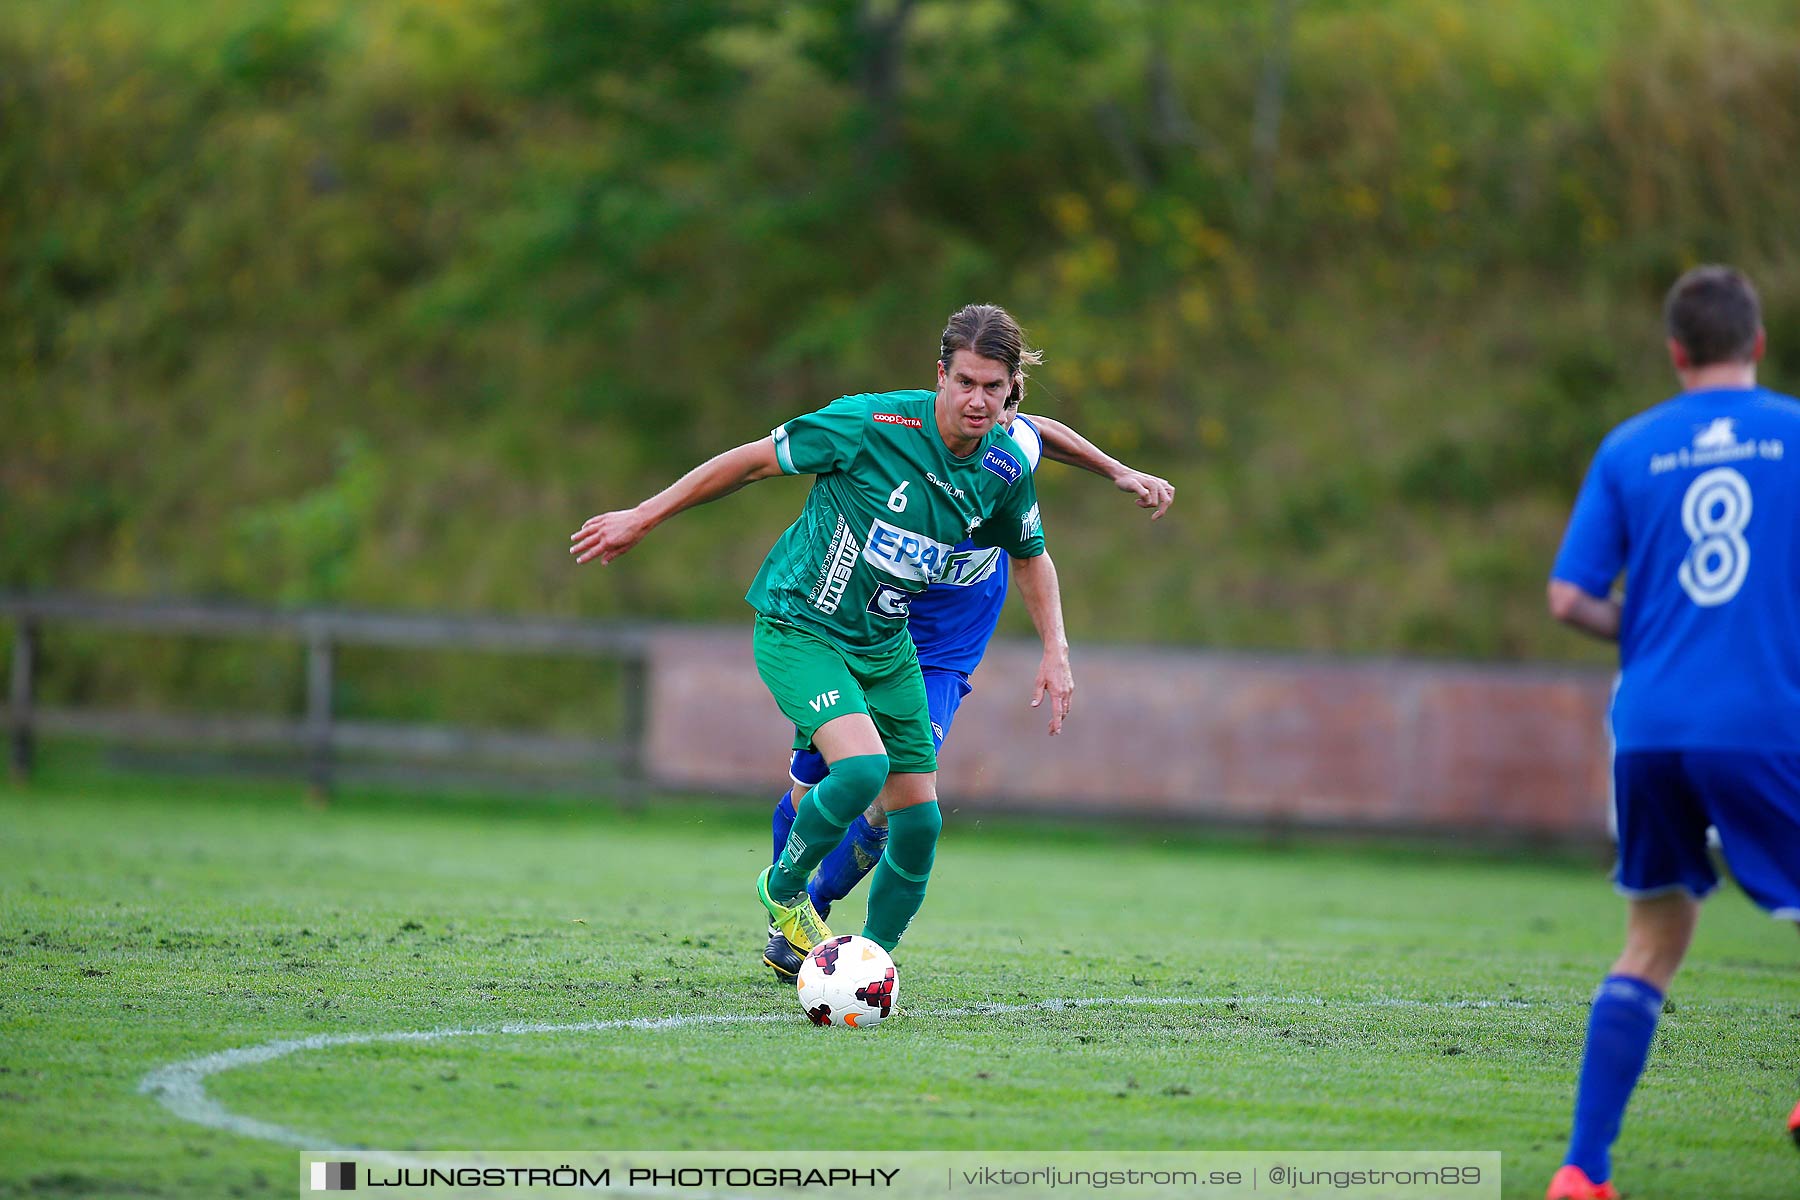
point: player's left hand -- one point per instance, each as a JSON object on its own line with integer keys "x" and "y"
{"x": 1055, "y": 678}
{"x": 1152, "y": 491}
{"x": 607, "y": 536}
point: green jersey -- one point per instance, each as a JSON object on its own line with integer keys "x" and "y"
{"x": 885, "y": 515}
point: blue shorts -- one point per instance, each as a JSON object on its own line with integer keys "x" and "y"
{"x": 944, "y": 692}
{"x": 1665, "y": 799}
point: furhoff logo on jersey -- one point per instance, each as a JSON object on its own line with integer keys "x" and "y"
{"x": 1715, "y": 444}
{"x": 897, "y": 419}
{"x": 1002, "y": 464}
{"x": 834, "y": 576}
{"x": 905, "y": 554}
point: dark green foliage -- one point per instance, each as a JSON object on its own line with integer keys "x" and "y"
{"x": 276, "y": 57}
{"x": 373, "y": 304}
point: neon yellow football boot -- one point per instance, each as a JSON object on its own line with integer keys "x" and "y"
{"x": 798, "y": 922}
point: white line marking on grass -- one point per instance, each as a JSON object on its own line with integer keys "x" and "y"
{"x": 992, "y": 1010}
{"x": 180, "y": 1087}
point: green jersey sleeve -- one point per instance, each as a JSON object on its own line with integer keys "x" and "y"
{"x": 1016, "y": 526}
{"x": 827, "y": 440}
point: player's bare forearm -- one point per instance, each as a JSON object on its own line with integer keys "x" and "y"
{"x": 1036, "y": 580}
{"x": 718, "y": 476}
{"x": 610, "y": 534}
{"x": 1579, "y": 610}
{"x": 1062, "y": 444}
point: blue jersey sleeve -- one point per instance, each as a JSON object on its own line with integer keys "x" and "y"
{"x": 1593, "y": 547}
{"x": 1031, "y": 442}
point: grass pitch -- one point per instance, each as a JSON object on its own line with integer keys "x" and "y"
{"x": 1325, "y": 997}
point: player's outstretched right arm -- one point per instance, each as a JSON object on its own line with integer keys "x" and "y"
{"x": 613, "y": 533}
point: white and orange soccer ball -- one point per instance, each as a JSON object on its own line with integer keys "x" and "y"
{"x": 848, "y": 981}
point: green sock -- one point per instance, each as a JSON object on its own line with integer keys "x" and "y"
{"x": 898, "y": 886}
{"x": 821, "y": 818}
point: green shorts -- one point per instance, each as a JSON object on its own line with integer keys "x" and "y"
{"x": 815, "y": 680}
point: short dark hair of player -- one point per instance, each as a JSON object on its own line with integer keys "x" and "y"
{"x": 988, "y": 331}
{"x": 1713, "y": 313}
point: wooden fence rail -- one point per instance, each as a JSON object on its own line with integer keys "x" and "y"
{"x": 318, "y": 737}
{"x": 1481, "y": 750}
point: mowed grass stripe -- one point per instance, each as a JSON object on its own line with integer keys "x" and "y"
{"x": 148, "y": 922}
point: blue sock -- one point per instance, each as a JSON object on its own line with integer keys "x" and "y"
{"x": 783, "y": 822}
{"x": 854, "y": 857}
{"x": 1620, "y": 1027}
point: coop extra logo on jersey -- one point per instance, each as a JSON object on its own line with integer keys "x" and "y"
{"x": 897, "y": 419}
{"x": 905, "y": 554}
{"x": 1002, "y": 464}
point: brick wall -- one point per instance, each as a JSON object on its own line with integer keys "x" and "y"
{"x": 1179, "y": 734}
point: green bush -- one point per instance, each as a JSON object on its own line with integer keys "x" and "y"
{"x": 372, "y": 304}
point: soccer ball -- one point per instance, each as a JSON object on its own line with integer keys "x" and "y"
{"x": 848, "y": 981}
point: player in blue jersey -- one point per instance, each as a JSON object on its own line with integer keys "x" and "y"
{"x": 951, "y": 623}
{"x": 1697, "y": 501}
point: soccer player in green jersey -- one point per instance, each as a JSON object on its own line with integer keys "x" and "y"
{"x": 901, "y": 478}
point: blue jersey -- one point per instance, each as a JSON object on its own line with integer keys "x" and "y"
{"x": 1698, "y": 501}
{"x": 952, "y": 620}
